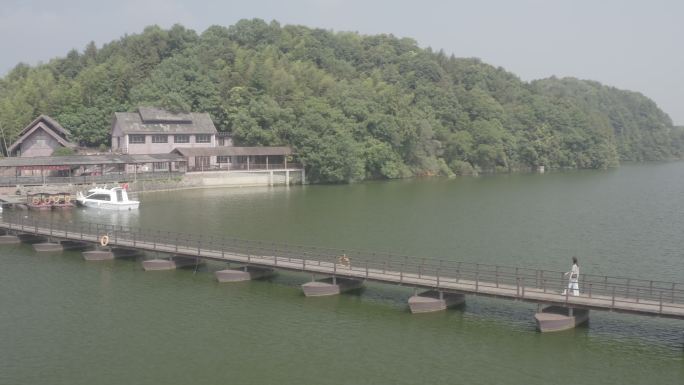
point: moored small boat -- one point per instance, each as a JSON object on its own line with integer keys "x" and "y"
{"x": 39, "y": 202}
{"x": 115, "y": 198}
{"x": 62, "y": 201}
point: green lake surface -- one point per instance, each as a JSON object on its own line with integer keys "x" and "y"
{"x": 67, "y": 321}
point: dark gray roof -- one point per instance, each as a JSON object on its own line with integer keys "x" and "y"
{"x": 232, "y": 151}
{"x": 153, "y": 120}
{"x": 51, "y": 123}
{"x": 151, "y": 115}
{"x": 47, "y": 124}
{"x": 77, "y": 160}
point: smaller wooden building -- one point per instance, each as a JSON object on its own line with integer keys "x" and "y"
{"x": 40, "y": 138}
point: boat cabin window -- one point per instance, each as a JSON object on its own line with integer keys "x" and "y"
{"x": 100, "y": 197}
{"x": 119, "y": 195}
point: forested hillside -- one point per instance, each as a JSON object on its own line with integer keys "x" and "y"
{"x": 352, "y": 106}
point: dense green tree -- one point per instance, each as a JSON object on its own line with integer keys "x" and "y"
{"x": 352, "y": 106}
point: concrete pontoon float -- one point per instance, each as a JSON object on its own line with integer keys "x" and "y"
{"x": 175, "y": 262}
{"x": 433, "y": 300}
{"x": 558, "y": 318}
{"x": 330, "y": 286}
{"x": 245, "y": 273}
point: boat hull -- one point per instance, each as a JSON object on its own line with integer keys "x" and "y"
{"x": 131, "y": 205}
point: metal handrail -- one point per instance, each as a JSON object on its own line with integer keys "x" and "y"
{"x": 521, "y": 281}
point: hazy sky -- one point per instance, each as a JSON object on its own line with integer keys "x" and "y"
{"x": 635, "y": 45}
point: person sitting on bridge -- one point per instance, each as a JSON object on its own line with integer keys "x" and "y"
{"x": 344, "y": 260}
{"x": 574, "y": 278}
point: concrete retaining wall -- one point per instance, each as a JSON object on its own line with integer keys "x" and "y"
{"x": 221, "y": 179}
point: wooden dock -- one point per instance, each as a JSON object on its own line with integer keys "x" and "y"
{"x": 619, "y": 294}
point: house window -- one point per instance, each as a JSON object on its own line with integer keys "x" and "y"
{"x": 181, "y": 138}
{"x": 202, "y": 138}
{"x": 222, "y": 159}
{"x": 137, "y": 139}
{"x": 161, "y": 166}
{"x": 160, "y": 138}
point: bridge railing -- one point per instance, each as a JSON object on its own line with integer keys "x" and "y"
{"x": 410, "y": 269}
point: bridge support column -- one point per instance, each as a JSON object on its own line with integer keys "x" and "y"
{"x": 9, "y": 240}
{"x": 330, "y": 286}
{"x": 433, "y": 300}
{"x": 246, "y": 273}
{"x": 172, "y": 263}
{"x": 558, "y": 318}
{"x": 31, "y": 238}
{"x": 76, "y": 245}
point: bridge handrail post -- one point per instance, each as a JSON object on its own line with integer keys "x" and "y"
{"x": 517, "y": 286}
{"x": 523, "y": 288}
{"x": 496, "y": 275}
{"x": 334, "y": 267}
{"x": 673, "y": 292}
{"x": 438, "y": 271}
{"x": 590, "y": 286}
{"x": 544, "y": 284}
{"x": 366, "y": 269}
{"x": 660, "y": 309}
{"x": 458, "y": 271}
{"x": 612, "y": 303}
{"x": 401, "y": 273}
{"x": 650, "y": 288}
{"x": 477, "y": 280}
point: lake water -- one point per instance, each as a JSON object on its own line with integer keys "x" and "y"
{"x": 65, "y": 321}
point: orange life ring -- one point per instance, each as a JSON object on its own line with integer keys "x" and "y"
{"x": 104, "y": 240}
{"x": 35, "y": 200}
{"x": 67, "y": 198}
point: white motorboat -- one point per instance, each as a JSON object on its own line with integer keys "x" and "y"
{"x": 115, "y": 198}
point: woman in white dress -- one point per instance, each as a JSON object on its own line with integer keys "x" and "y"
{"x": 573, "y": 285}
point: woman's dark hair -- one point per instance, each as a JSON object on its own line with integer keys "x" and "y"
{"x": 574, "y": 261}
